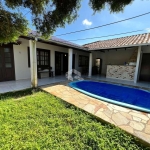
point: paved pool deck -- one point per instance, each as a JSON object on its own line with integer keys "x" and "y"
{"x": 134, "y": 122}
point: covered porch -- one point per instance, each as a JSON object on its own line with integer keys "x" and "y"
{"x": 61, "y": 62}
{"x": 125, "y": 59}
{"x": 34, "y": 55}
{"x": 122, "y": 65}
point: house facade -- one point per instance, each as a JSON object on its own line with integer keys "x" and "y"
{"x": 126, "y": 58}
{"x": 16, "y": 64}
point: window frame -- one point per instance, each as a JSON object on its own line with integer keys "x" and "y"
{"x": 39, "y": 64}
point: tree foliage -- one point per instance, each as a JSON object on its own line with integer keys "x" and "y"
{"x": 47, "y": 15}
{"x": 114, "y": 5}
{"x": 12, "y": 25}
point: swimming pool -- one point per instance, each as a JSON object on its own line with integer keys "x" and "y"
{"x": 116, "y": 94}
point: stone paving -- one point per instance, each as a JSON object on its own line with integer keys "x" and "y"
{"x": 134, "y": 122}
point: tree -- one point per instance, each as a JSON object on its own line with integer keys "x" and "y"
{"x": 47, "y": 15}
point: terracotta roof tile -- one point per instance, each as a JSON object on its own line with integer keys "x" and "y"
{"x": 120, "y": 42}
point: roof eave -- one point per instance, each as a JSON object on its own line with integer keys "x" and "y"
{"x": 124, "y": 46}
{"x": 58, "y": 43}
{"x": 65, "y": 44}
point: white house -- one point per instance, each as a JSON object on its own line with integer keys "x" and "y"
{"x": 30, "y": 56}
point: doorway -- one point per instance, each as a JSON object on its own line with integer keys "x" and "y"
{"x": 145, "y": 68}
{"x": 61, "y": 63}
{"x": 98, "y": 67}
{"x": 7, "y": 70}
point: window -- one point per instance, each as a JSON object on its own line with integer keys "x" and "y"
{"x": 83, "y": 61}
{"x": 43, "y": 57}
{"x": 7, "y": 53}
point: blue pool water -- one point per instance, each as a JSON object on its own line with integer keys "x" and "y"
{"x": 116, "y": 94}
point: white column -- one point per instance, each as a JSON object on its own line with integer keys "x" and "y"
{"x": 137, "y": 65}
{"x": 53, "y": 61}
{"x": 70, "y": 53}
{"x": 33, "y": 62}
{"x": 90, "y": 65}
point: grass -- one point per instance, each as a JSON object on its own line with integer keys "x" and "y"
{"x": 37, "y": 120}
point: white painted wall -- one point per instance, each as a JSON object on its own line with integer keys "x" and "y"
{"x": 146, "y": 49}
{"x": 22, "y": 71}
{"x": 21, "y": 60}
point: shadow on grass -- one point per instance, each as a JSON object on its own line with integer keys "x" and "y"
{"x": 18, "y": 94}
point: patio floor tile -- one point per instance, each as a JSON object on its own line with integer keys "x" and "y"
{"x": 101, "y": 115}
{"x": 127, "y": 128}
{"x": 119, "y": 119}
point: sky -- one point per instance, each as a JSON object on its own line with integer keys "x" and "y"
{"x": 87, "y": 19}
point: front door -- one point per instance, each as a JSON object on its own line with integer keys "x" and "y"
{"x": 65, "y": 63}
{"x": 7, "y": 71}
{"x": 61, "y": 62}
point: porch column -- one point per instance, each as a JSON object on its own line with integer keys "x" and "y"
{"x": 33, "y": 62}
{"x": 90, "y": 65}
{"x": 137, "y": 65}
{"x": 70, "y": 53}
{"x": 52, "y": 55}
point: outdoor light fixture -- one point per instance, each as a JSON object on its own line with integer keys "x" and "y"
{"x": 65, "y": 54}
{"x": 18, "y": 42}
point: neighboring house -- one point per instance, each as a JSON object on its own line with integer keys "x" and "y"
{"x": 22, "y": 60}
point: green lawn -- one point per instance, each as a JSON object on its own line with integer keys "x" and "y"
{"x": 37, "y": 120}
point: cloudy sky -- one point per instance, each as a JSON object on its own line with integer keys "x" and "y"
{"x": 87, "y": 20}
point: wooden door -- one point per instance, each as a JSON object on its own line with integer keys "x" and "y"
{"x": 57, "y": 63}
{"x": 65, "y": 63}
{"x": 7, "y": 71}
